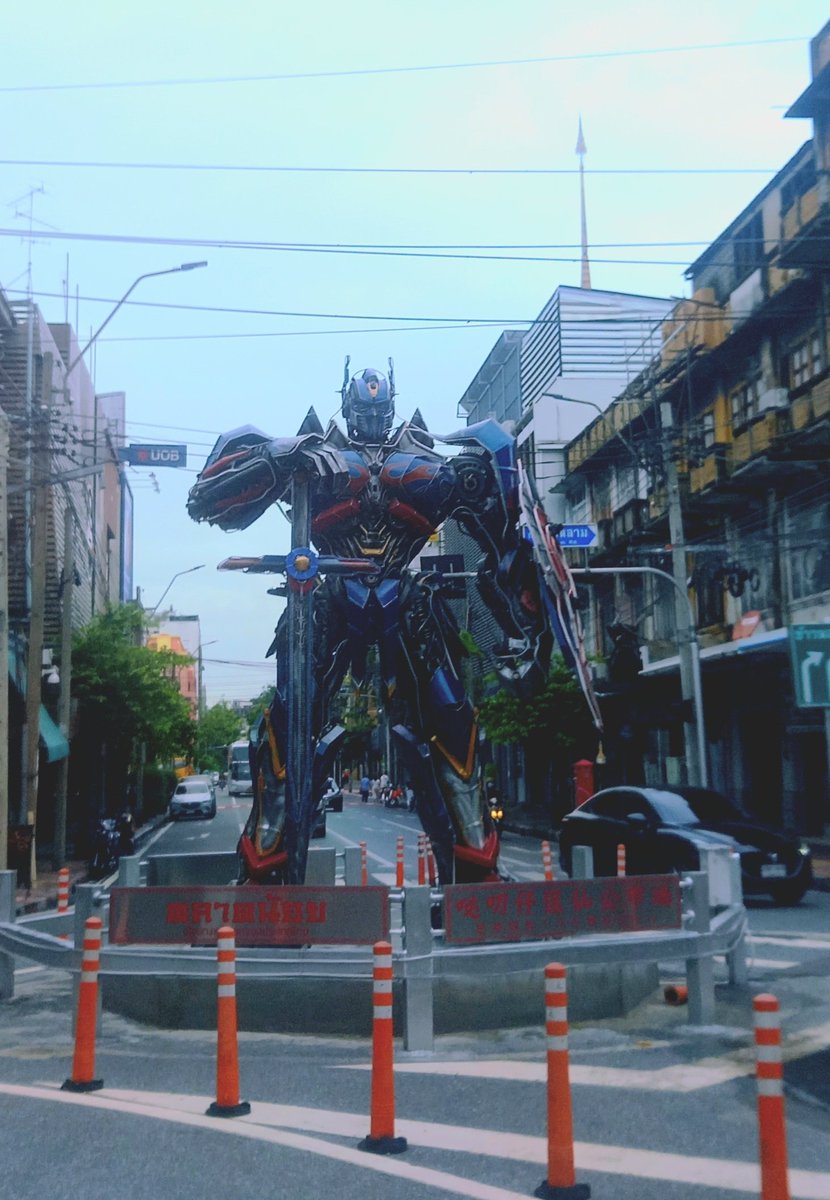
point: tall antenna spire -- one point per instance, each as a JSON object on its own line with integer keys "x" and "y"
{"x": 582, "y": 150}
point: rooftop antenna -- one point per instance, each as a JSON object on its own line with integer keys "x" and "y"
{"x": 581, "y": 151}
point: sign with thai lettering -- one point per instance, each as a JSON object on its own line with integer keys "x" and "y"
{"x": 810, "y": 655}
{"x": 521, "y": 912}
{"x": 576, "y": 535}
{"x": 260, "y": 916}
{"x": 154, "y": 455}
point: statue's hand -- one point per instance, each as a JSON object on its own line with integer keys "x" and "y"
{"x": 233, "y": 491}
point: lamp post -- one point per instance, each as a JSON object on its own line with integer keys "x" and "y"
{"x": 187, "y": 571}
{"x": 62, "y": 784}
{"x": 200, "y": 704}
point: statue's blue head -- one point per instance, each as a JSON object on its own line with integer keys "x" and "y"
{"x": 369, "y": 406}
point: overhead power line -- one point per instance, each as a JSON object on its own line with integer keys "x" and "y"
{"x": 264, "y": 168}
{"x": 344, "y": 72}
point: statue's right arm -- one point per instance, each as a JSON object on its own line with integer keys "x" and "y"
{"x": 247, "y": 472}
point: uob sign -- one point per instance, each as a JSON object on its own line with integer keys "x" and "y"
{"x": 156, "y": 456}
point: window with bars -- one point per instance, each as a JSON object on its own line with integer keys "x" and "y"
{"x": 804, "y": 361}
{"x": 744, "y": 400}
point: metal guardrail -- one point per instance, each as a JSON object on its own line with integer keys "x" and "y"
{"x": 423, "y": 963}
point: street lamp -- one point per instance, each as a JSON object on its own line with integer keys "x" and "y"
{"x": 189, "y": 266}
{"x": 170, "y": 584}
{"x": 591, "y": 404}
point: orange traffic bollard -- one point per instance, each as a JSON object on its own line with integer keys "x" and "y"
{"x": 621, "y": 859}
{"x": 381, "y": 1139}
{"x": 227, "y": 1102}
{"x": 770, "y": 1077}
{"x": 364, "y": 865}
{"x": 676, "y": 994}
{"x": 399, "y": 863}
{"x": 432, "y": 874}
{"x": 63, "y": 896}
{"x": 422, "y": 860}
{"x": 561, "y": 1180}
{"x": 547, "y": 861}
{"x": 86, "y": 1017}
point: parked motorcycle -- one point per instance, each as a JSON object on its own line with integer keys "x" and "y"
{"x": 496, "y": 811}
{"x": 106, "y": 848}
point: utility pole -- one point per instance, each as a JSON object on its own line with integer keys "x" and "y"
{"x": 40, "y": 463}
{"x": 4, "y": 643}
{"x": 64, "y": 701}
{"x": 694, "y": 736}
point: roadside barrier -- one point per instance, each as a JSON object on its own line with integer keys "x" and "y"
{"x": 227, "y": 1102}
{"x": 381, "y": 1139}
{"x": 399, "y": 863}
{"x": 770, "y": 1077}
{"x": 364, "y": 865}
{"x": 560, "y": 1183}
{"x": 422, "y": 859}
{"x": 83, "y": 1061}
{"x": 676, "y": 994}
{"x": 621, "y": 859}
{"x": 63, "y": 896}
{"x": 547, "y": 861}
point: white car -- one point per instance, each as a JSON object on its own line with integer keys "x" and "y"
{"x": 193, "y": 797}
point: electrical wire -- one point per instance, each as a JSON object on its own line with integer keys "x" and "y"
{"x": 347, "y": 72}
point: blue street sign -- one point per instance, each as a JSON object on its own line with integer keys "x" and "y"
{"x": 154, "y": 456}
{"x": 576, "y": 535}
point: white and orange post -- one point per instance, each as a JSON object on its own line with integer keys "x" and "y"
{"x": 86, "y": 1017}
{"x": 621, "y": 859}
{"x": 560, "y": 1183}
{"x": 547, "y": 862}
{"x": 227, "y": 1102}
{"x": 422, "y": 859}
{"x": 364, "y": 865}
{"x": 381, "y": 1139}
{"x": 63, "y": 895}
{"x": 399, "y": 863}
{"x": 770, "y": 1078}
{"x": 432, "y": 873}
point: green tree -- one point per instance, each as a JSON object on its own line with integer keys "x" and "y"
{"x": 127, "y": 695}
{"x": 551, "y": 725}
{"x": 215, "y": 731}
{"x": 258, "y": 705}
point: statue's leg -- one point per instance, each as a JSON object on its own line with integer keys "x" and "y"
{"x": 441, "y": 741}
{"x": 262, "y": 849}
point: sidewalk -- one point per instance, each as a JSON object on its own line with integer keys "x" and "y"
{"x": 43, "y": 894}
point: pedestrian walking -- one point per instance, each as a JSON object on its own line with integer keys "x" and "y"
{"x": 365, "y": 785}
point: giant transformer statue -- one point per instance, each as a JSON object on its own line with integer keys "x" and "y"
{"x": 368, "y": 500}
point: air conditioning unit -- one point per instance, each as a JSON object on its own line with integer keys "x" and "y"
{"x": 777, "y": 397}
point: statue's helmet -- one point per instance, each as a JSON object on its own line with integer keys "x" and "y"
{"x": 368, "y": 406}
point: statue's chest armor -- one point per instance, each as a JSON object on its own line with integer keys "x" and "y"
{"x": 397, "y": 494}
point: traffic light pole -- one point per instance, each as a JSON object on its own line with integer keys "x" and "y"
{"x": 697, "y": 762}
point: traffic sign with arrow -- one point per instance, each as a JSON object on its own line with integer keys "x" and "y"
{"x": 810, "y": 652}
{"x": 576, "y": 535}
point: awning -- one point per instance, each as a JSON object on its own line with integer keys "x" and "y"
{"x": 52, "y": 740}
{"x": 772, "y": 639}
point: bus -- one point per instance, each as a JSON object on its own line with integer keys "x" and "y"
{"x": 239, "y": 769}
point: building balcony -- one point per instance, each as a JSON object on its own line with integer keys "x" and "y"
{"x": 709, "y": 471}
{"x": 805, "y": 229}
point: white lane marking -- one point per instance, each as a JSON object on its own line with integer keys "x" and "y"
{"x": 248, "y": 1128}
{"x": 683, "y": 1077}
{"x": 793, "y": 943}
{"x": 728, "y": 1174}
{"x": 27, "y": 970}
{"x": 774, "y": 964}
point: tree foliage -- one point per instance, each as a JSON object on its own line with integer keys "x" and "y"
{"x": 258, "y": 705}
{"x": 126, "y": 694}
{"x": 555, "y": 718}
{"x": 216, "y": 729}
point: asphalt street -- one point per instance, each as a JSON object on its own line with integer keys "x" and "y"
{"x": 661, "y": 1109}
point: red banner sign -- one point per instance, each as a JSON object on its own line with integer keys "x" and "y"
{"x": 260, "y": 916}
{"x": 521, "y": 912}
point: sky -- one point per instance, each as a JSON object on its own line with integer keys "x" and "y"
{"x": 138, "y": 136}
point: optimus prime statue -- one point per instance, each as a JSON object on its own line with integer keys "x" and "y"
{"x": 374, "y": 496}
